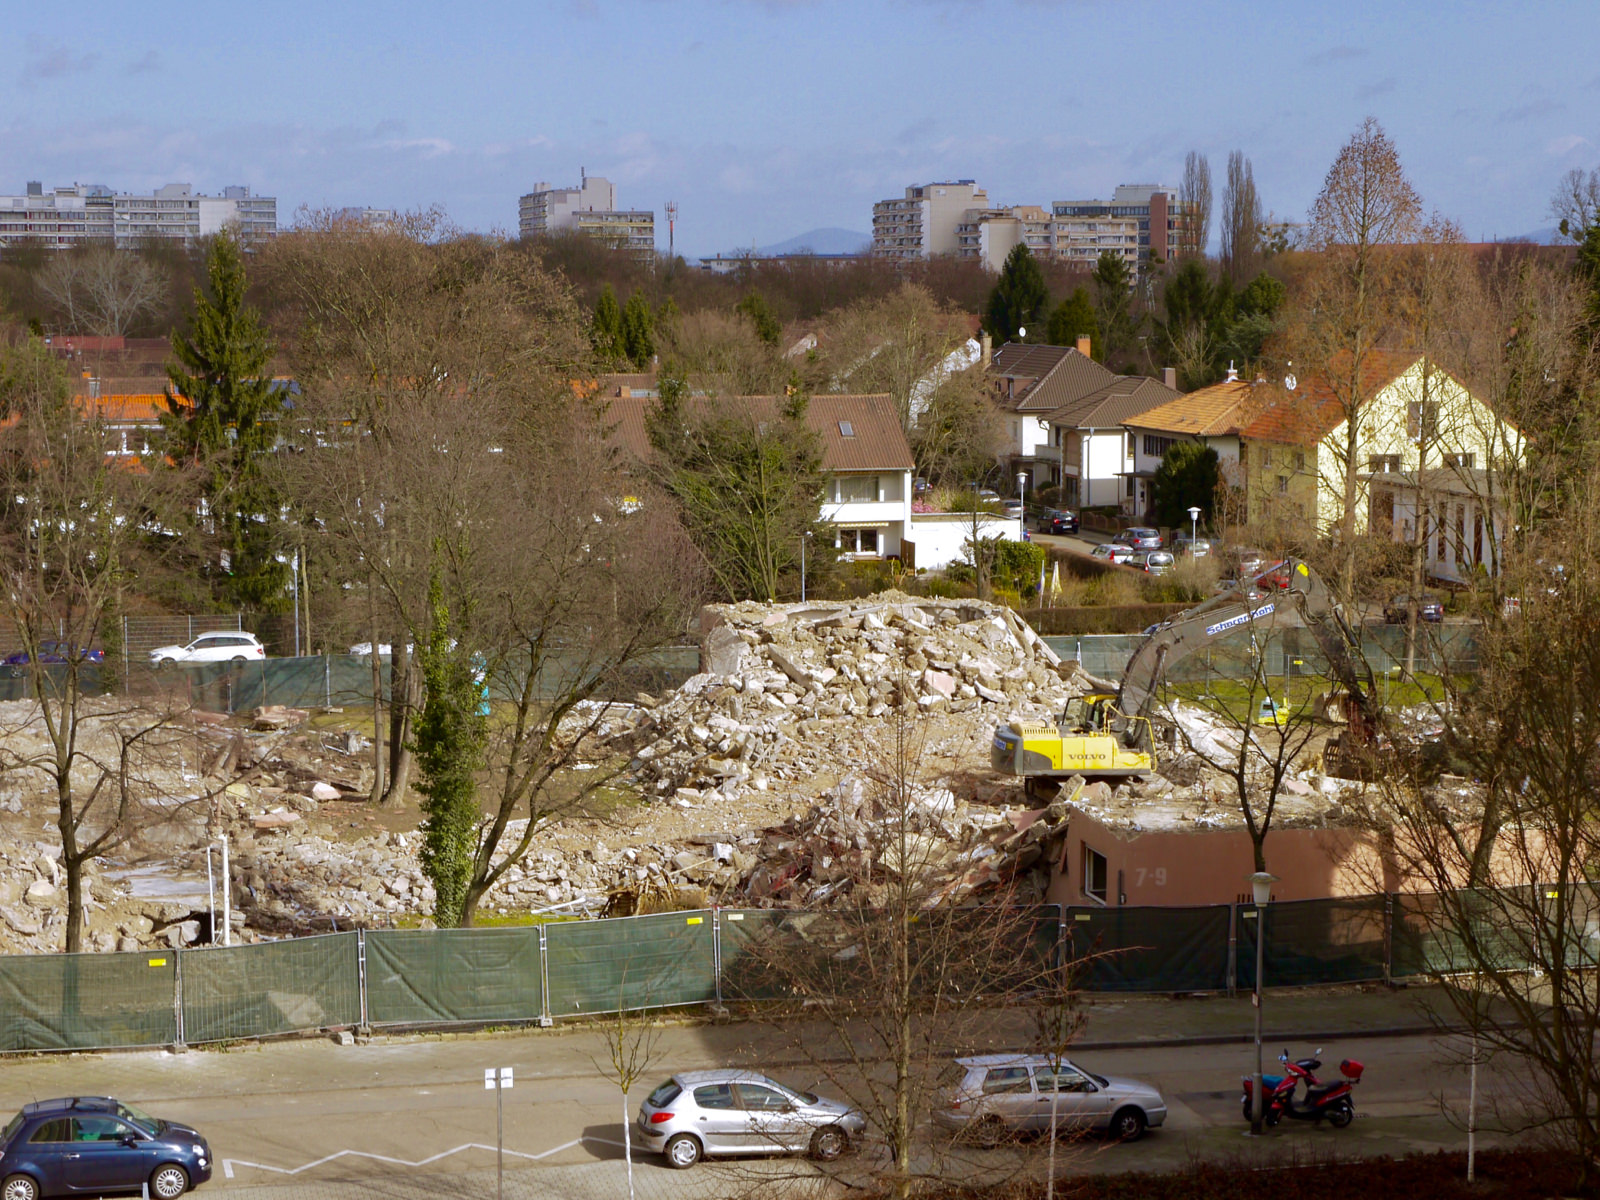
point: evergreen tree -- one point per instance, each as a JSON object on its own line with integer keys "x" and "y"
{"x": 1073, "y": 318}
{"x": 222, "y": 414}
{"x": 638, "y": 331}
{"x": 1113, "y": 302}
{"x": 452, "y": 732}
{"x": 1187, "y": 478}
{"x": 754, "y": 307}
{"x": 1018, "y": 299}
{"x": 606, "y": 328}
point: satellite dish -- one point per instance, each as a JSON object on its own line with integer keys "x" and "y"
{"x": 1289, "y": 381}
{"x": 1021, "y": 332}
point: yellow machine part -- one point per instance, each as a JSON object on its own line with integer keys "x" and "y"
{"x": 1034, "y": 748}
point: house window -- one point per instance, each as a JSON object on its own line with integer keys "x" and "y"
{"x": 1127, "y": 446}
{"x": 1299, "y": 460}
{"x": 1156, "y": 447}
{"x": 1422, "y": 420}
{"x": 1130, "y": 485}
{"x": 1439, "y": 528}
{"x": 1283, "y": 485}
{"x": 861, "y": 489}
{"x": 1464, "y": 461}
{"x": 1379, "y": 464}
{"x": 1094, "y": 874}
{"x": 1266, "y": 456}
{"x": 846, "y": 429}
{"x": 858, "y": 541}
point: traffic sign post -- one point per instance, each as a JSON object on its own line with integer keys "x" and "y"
{"x": 500, "y": 1081}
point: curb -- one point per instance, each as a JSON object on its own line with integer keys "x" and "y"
{"x": 1228, "y": 1039}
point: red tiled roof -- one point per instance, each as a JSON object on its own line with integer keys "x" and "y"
{"x": 1314, "y": 409}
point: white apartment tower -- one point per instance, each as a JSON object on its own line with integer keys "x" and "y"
{"x": 926, "y": 221}
{"x": 590, "y": 208}
{"x": 68, "y": 216}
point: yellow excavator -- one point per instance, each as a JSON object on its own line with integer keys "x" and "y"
{"x": 1108, "y": 734}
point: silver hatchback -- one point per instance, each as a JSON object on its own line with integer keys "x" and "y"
{"x": 989, "y": 1097}
{"x": 698, "y": 1114}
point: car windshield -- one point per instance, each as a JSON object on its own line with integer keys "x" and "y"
{"x": 10, "y": 1130}
{"x": 139, "y": 1117}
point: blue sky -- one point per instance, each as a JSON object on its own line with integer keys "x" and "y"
{"x": 766, "y": 118}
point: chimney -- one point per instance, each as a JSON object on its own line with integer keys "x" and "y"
{"x": 985, "y": 350}
{"x": 1083, "y": 344}
{"x": 1233, "y": 375}
{"x": 1169, "y": 376}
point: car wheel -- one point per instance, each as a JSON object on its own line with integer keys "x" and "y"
{"x": 161, "y": 664}
{"x": 239, "y": 660}
{"x": 19, "y": 1187}
{"x": 1342, "y": 1116}
{"x": 1128, "y": 1125}
{"x": 683, "y": 1151}
{"x": 169, "y": 1182}
{"x": 989, "y": 1132}
{"x": 828, "y": 1143}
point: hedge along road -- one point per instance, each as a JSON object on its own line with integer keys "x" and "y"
{"x": 311, "y": 1118}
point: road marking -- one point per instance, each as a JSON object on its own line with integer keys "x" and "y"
{"x": 228, "y": 1164}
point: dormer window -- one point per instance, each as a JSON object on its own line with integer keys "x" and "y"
{"x": 846, "y": 429}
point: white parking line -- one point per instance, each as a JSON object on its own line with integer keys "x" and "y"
{"x": 228, "y": 1164}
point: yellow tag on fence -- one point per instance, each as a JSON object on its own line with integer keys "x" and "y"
{"x": 158, "y": 962}
{"x": 695, "y": 920}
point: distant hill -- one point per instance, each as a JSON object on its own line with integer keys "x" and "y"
{"x": 821, "y": 241}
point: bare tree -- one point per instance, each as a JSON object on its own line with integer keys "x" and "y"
{"x": 631, "y": 1040}
{"x": 904, "y": 969}
{"x": 1242, "y": 219}
{"x": 100, "y": 290}
{"x": 79, "y": 523}
{"x": 1194, "y": 193}
{"x": 1576, "y": 203}
{"x": 1366, "y": 210}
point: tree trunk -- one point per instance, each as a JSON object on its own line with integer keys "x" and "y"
{"x": 72, "y": 864}
{"x": 404, "y": 697}
{"x": 379, "y": 759}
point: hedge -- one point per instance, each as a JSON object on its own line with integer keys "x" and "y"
{"x": 1101, "y": 618}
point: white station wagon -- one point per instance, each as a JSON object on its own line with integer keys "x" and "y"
{"x": 221, "y": 647}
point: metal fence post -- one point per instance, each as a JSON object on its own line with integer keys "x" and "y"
{"x": 545, "y": 1020}
{"x": 1388, "y": 939}
{"x": 177, "y": 1000}
{"x": 716, "y": 953}
{"x": 1233, "y": 949}
{"x": 327, "y": 681}
{"x": 361, "y": 977}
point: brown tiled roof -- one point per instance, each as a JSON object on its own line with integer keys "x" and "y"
{"x": 1209, "y": 412}
{"x": 1118, "y": 402}
{"x": 875, "y": 442}
{"x": 1047, "y": 376}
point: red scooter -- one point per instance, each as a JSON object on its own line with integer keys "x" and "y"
{"x": 1334, "y": 1101}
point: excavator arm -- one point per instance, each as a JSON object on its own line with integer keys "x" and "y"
{"x": 1290, "y": 587}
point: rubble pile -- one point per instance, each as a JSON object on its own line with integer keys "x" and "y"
{"x": 791, "y": 692}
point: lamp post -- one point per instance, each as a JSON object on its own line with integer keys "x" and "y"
{"x": 1261, "y": 888}
{"x": 1194, "y": 526}
{"x": 804, "y": 538}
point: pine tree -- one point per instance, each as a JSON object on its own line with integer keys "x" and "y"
{"x": 222, "y": 414}
{"x": 1073, "y": 318}
{"x": 1018, "y": 298}
{"x": 754, "y": 306}
{"x": 605, "y": 332}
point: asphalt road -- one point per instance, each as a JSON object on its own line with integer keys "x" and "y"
{"x": 406, "y": 1117}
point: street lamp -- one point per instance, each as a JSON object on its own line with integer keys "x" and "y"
{"x": 1194, "y": 526}
{"x": 1261, "y": 888}
{"x": 804, "y": 538}
{"x": 1022, "y": 493}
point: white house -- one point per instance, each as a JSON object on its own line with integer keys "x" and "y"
{"x": 1030, "y": 382}
{"x": 1211, "y": 416}
{"x": 1097, "y": 453}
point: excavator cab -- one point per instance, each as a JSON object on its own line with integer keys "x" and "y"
{"x": 1094, "y": 739}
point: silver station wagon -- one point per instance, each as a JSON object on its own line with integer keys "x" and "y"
{"x": 990, "y": 1097}
{"x": 697, "y": 1114}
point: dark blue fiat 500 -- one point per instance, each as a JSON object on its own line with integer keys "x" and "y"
{"x": 96, "y": 1144}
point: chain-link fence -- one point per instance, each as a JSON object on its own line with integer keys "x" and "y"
{"x": 580, "y": 968}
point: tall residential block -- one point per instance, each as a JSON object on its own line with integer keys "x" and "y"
{"x": 590, "y": 208}
{"x": 956, "y": 219}
{"x": 68, "y": 216}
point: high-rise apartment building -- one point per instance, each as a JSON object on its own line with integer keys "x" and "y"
{"x": 926, "y": 221}
{"x": 68, "y": 216}
{"x": 957, "y": 219}
{"x": 590, "y": 208}
{"x": 1162, "y": 219}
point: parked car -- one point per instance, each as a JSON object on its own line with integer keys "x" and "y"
{"x": 1012, "y": 508}
{"x": 1056, "y": 521}
{"x": 1245, "y": 560}
{"x": 1396, "y": 612}
{"x": 699, "y": 1114}
{"x": 1142, "y": 537}
{"x": 1154, "y": 562}
{"x": 95, "y": 1144}
{"x": 1115, "y": 551}
{"x": 228, "y": 646}
{"x": 990, "y": 1097}
{"x": 1196, "y": 547}
{"x": 51, "y": 652}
